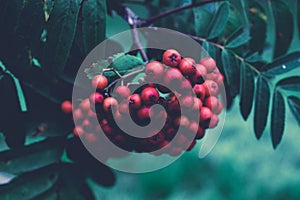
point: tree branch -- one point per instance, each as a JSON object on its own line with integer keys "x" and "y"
{"x": 148, "y": 21}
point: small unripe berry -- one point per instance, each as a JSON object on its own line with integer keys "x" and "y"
{"x": 209, "y": 63}
{"x": 99, "y": 82}
{"x": 67, "y": 107}
{"x": 171, "y": 58}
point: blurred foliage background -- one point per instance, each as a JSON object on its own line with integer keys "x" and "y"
{"x": 54, "y": 165}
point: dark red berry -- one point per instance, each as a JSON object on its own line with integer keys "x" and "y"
{"x": 205, "y": 114}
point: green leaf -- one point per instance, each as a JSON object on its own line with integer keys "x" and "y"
{"x": 298, "y": 17}
{"x": 93, "y": 24}
{"x": 232, "y": 71}
{"x": 258, "y": 27}
{"x": 210, "y": 49}
{"x": 202, "y": 18}
{"x": 284, "y": 25}
{"x": 219, "y": 21}
{"x": 261, "y": 109}
{"x": 31, "y": 184}
{"x": 238, "y": 38}
{"x": 282, "y": 65}
{"x": 32, "y": 157}
{"x": 246, "y": 90}
{"x": 60, "y": 34}
{"x": 278, "y": 118}
{"x": 290, "y": 84}
{"x": 294, "y": 104}
{"x": 123, "y": 63}
{"x": 31, "y": 23}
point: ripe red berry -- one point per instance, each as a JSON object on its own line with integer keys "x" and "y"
{"x": 99, "y": 82}
{"x": 192, "y": 145}
{"x": 122, "y": 91}
{"x": 85, "y": 105}
{"x": 96, "y": 98}
{"x": 214, "y": 121}
{"x": 197, "y": 104}
{"x": 171, "y": 58}
{"x": 187, "y": 101}
{"x": 200, "y": 133}
{"x": 209, "y": 63}
{"x": 193, "y": 127}
{"x": 109, "y": 103}
{"x": 220, "y": 108}
{"x": 182, "y": 121}
{"x": 173, "y": 106}
{"x": 135, "y": 101}
{"x": 173, "y": 77}
{"x": 78, "y": 131}
{"x": 124, "y": 107}
{"x": 200, "y": 91}
{"x": 154, "y": 71}
{"x": 212, "y": 102}
{"x": 67, "y": 107}
{"x": 205, "y": 114}
{"x": 187, "y": 66}
{"x": 213, "y": 75}
{"x": 185, "y": 87}
{"x": 77, "y": 114}
{"x": 212, "y": 88}
{"x": 149, "y": 95}
{"x": 200, "y": 74}
{"x": 220, "y": 79}
{"x": 143, "y": 113}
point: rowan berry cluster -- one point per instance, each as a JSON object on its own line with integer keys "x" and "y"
{"x": 196, "y": 91}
